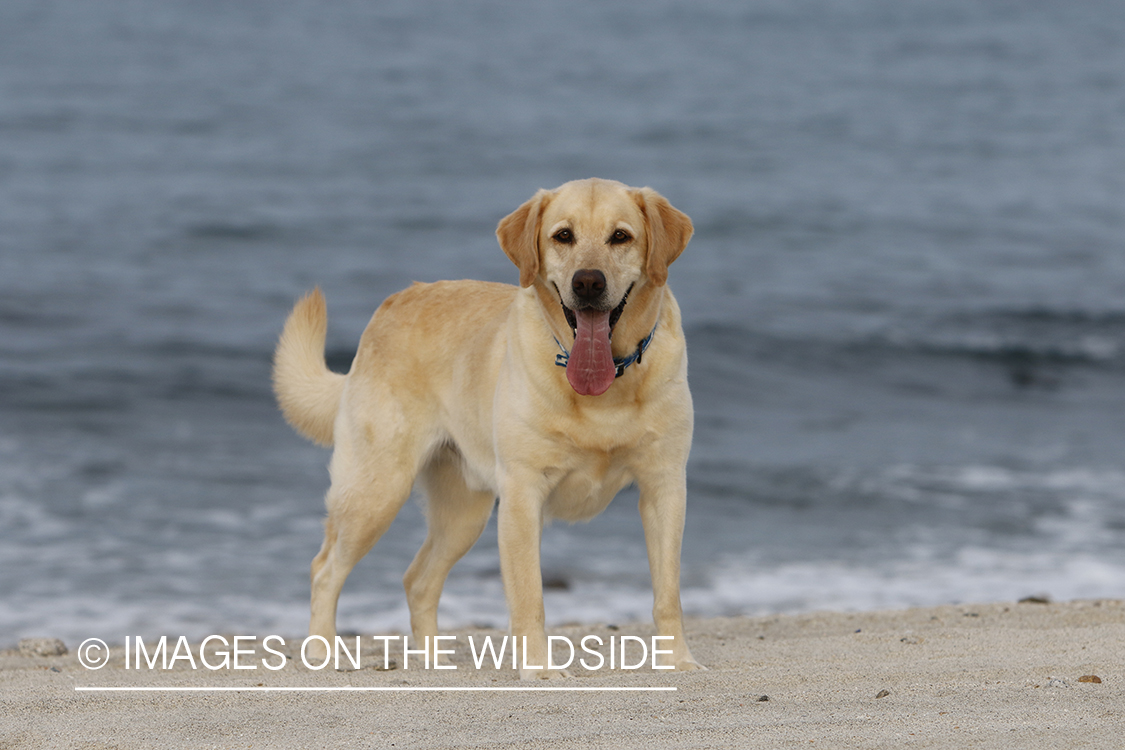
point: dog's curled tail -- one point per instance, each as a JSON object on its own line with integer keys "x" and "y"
{"x": 307, "y": 391}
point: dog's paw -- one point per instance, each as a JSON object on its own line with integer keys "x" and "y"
{"x": 685, "y": 663}
{"x": 315, "y": 652}
{"x": 543, "y": 674}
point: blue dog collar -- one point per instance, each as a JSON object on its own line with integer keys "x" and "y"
{"x": 635, "y": 356}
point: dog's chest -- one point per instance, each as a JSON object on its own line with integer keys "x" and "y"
{"x": 586, "y": 486}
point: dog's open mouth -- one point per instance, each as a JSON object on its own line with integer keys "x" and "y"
{"x": 614, "y": 314}
{"x": 590, "y": 369}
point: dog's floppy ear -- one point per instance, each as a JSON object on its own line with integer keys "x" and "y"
{"x": 518, "y": 234}
{"x": 668, "y": 229}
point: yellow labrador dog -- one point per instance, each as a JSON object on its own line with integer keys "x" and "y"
{"x": 551, "y": 397}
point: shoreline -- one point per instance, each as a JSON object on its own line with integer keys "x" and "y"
{"x": 999, "y": 675}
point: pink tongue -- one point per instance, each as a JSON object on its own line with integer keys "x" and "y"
{"x": 590, "y": 368}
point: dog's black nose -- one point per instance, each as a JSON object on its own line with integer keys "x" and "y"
{"x": 588, "y": 284}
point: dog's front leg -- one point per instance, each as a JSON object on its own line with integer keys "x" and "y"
{"x": 663, "y": 505}
{"x": 520, "y": 529}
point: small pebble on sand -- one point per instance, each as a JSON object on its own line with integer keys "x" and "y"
{"x": 1090, "y": 678}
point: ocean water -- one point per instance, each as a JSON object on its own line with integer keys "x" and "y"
{"x": 904, "y": 302}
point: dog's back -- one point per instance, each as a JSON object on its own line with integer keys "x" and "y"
{"x": 418, "y": 335}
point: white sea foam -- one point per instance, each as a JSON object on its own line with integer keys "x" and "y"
{"x": 87, "y": 587}
{"x": 974, "y": 575}
{"x": 736, "y": 586}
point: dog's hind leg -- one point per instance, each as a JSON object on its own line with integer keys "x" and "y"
{"x": 369, "y": 487}
{"x": 456, "y": 516}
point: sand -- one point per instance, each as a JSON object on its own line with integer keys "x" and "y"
{"x": 995, "y": 675}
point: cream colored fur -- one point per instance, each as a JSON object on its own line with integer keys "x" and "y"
{"x": 308, "y": 392}
{"x": 454, "y": 386}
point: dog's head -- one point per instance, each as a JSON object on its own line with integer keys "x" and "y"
{"x": 594, "y": 249}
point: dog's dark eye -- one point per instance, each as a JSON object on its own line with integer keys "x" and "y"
{"x": 564, "y": 236}
{"x": 619, "y": 236}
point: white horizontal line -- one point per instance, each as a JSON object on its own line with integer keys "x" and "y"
{"x": 368, "y": 689}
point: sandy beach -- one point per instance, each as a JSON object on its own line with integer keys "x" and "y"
{"x": 996, "y": 675}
